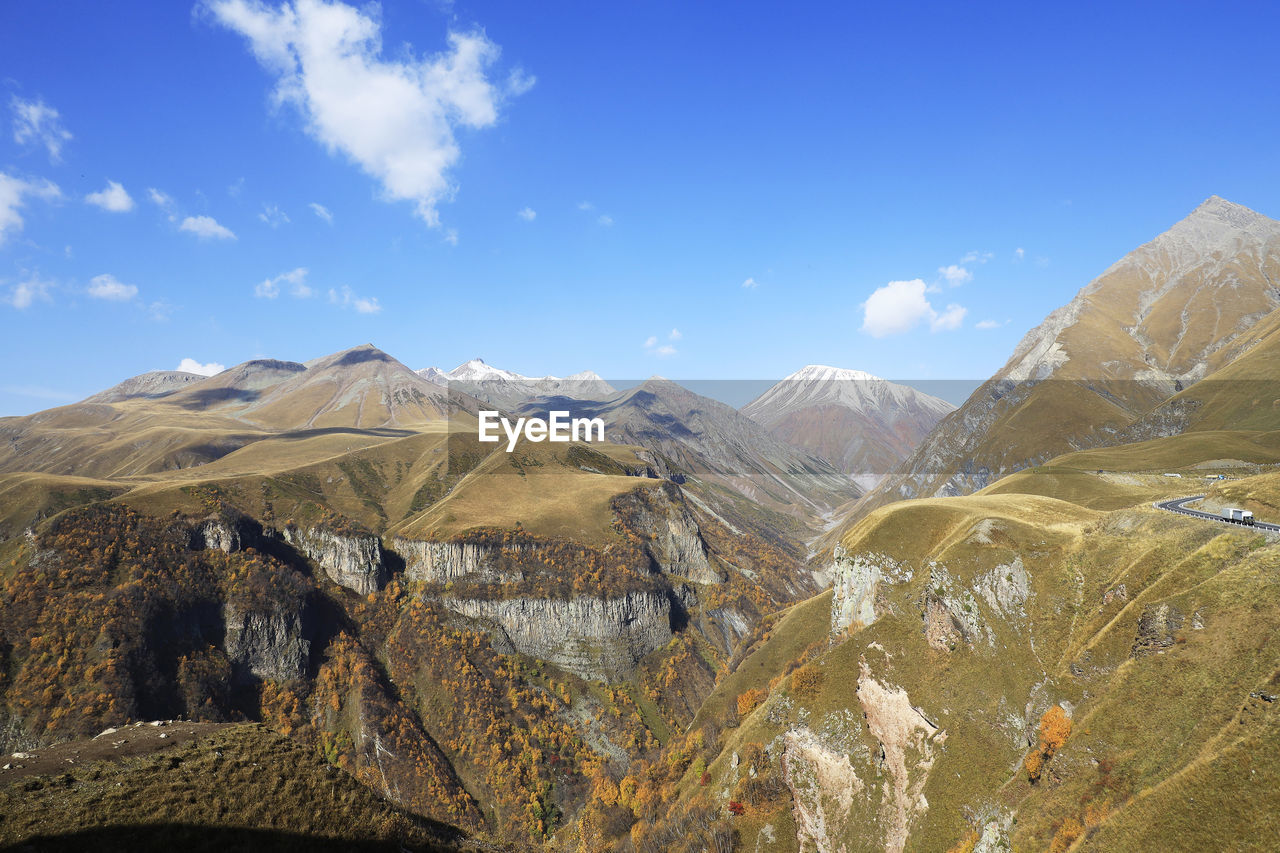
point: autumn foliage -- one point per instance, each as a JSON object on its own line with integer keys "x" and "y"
{"x": 750, "y": 700}
{"x": 1055, "y": 727}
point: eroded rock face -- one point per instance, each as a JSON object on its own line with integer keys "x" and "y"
{"x": 270, "y": 645}
{"x": 943, "y": 630}
{"x": 1157, "y": 627}
{"x": 856, "y": 581}
{"x": 955, "y": 615}
{"x": 351, "y": 560}
{"x": 443, "y": 562}
{"x": 594, "y": 638}
{"x": 671, "y": 533}
{"x": 909, "y": 744}
{"x": 1005, "y": 588}
{"x": 214, "y": 533}
{"x": 823, "y": 786}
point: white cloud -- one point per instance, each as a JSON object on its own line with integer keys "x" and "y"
{"x": 1019, "y": 253}
{"x": 586, "y": 205}
{"x": 321, "y": 211}
{"x": 160, "y": 311}
{"x": 395, "y": 119}
{"x": 955, "y": 275}
{"x": 605, "y": 220}
{"x": 989, "y": 324}
{"x": 235, "y": 189}
{"x": 112, "y": 197}
{"x": 653, "y": 348}
{"x": 296, "y": 279}
{"x": 24, "y": 293}
{"x": 164, "y": 201}
{"x": 518, "y": 82}
{"x": 37, "y": 122}
{"x": 977, "y": 257}
{"x": 451, "y": 236}
{"x": 751, "y": 284}
{"x": 273, "y": 215}
{"x": 159, "y": 198}
{"x": 347, "y": 299}
{"x": 190, "y": 365}
{"x": 951, "y": 318}
{"x": 108, "y": 287}
{"x": 206, "y": 228}
{"x": 900, "y": 306}
{"x": 528, "y": 214}
{"x": 13, "y": 192}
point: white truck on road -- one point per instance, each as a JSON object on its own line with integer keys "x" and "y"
{"x": 1237, "y": 516}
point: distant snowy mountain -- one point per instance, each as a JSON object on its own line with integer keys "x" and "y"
{"x": 860, "y": 423}
{"x": 507, "y": 390}
{"x": 713, "y": 442}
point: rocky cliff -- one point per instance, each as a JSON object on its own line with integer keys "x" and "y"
{"x": 671, "y": 533}
{"x": 270, "y": 645}
{"x": 443, "y": 562}
{"x": 353, "y": 560}
{"x": 595, "y": 638}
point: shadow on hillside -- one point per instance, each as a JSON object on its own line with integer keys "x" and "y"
{"x": 361, "y": 356}
{"x": 206, "y": 397}
{"x": 194, "y": 839}
{"x": 315, "y": 432}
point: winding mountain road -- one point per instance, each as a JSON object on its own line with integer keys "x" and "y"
{"x": 1178, "y": 505}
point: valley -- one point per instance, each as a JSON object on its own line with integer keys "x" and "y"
{"x": 846, "y": 616}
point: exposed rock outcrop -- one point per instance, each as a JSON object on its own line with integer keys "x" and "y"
{"x": 671, "y": 533}
{"x": 909, "y": 745}
{"x": 218, "y": 534}
{"x": 270, "y": 645}
{"x": 1157, "y": 629}
{"x": 823, "y": 784}
{"x": 856, "y": 598}
{"x": 1005, "y": 588}
{"x": 355, "y": 560}
{"x": 443, "y": 562}
{"x": 950, "y": 616}
{"x": 594, "y": 638}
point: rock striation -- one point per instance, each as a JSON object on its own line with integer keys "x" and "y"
{"x": 269, "y": 645}
{"x": 445, "y": 562}
{"x": 353, "y": 560}
{"x": 595, "y": 638}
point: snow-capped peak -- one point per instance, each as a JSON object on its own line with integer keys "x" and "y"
{"x": 821, "y": 373}
{"x": 820, "y": 384}
{"x": 477, "y": 370}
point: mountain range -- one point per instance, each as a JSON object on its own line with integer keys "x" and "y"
{"x": 507, "y": 390}
{"x": 702, "y": 633}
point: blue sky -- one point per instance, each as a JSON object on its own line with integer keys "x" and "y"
{"x": 698, "y": 190}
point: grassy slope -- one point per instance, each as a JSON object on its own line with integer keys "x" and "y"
{"x": 436, "y": 482}
{"x": 1073, "y": 646}
{"x": 1132, "y": 474}
{"x": 240, "y": 786}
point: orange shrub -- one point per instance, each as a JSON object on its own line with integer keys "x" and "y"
{"x": 750, "y": 700}
{"x": 807, "y": 681}
{"x": 1055, "y": 727}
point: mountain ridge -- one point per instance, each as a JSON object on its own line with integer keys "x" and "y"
{"x": 862, "y": 424}
{"x": 1150, "y": 325}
